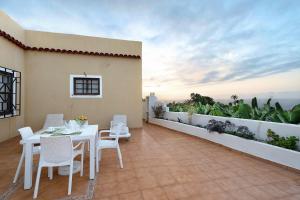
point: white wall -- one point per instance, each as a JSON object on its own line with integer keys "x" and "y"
{"x": 175, "y": 116}
{"x": 259, "y": 128}
{"x": 152, "y": 102}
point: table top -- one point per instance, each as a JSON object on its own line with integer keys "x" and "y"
{"x": 87, "y": 132}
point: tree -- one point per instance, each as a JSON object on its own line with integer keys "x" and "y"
{"x": 198, "y": 98}
{"x": 235, "y": 97}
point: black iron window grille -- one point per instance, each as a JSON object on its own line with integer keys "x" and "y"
{"x": 10, "y": 93}
{"x": 86, "y": 86}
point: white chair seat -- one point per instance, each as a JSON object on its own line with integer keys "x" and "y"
{"x": 125, "y": 135}
{"x": 103, "y": 144}
{"x": 119, "y": 119}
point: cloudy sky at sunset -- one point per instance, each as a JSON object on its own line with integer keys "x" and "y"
{"x": 215, "y": 48}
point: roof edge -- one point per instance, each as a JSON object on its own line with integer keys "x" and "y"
{"x": 64, "y": 51}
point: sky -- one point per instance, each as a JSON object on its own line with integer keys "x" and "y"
{"x": 214, "y": 47}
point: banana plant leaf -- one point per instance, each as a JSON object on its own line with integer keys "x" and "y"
{"x": 254, "y": 103}
{"x": 243, "y": 111}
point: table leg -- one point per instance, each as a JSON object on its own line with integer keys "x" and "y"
{"x": 28, "y": 166}
{"x": 92, "y": 157}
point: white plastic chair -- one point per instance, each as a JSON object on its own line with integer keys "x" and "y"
{"x": 119, "y": 119}
{"x": 25, "y": 133}
{"x": 54, "y": 120}
{"x": 58, "y": 151}
{"x": 108, "y": 143}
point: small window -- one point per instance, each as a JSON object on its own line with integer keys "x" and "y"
{"x": 86, "y": 86}
{"x": 10, "y": 81}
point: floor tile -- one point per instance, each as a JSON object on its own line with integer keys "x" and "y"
{"x": 162, "y": 164}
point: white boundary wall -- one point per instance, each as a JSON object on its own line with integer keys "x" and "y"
{"x": 269, "y": 152}
{"x": 259, "y": 128}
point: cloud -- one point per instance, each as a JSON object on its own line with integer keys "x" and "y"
{"x": 185, "y": 43}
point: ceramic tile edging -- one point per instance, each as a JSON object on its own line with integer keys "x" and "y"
{"x": 66, "y": 51}
{"x": 13, "y": 187}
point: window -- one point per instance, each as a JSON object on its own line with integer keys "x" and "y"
{"x": 88, "y": 86}
{"x": 10, "y": 93}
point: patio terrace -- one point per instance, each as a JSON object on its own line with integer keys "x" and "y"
{"x": 160, "y": 164}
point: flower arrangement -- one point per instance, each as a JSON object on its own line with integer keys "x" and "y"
{"x": 81, "y": 119}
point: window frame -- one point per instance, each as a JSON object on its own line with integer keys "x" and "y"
{"x": 72, "y": 86}
{"x": 14, "y": 93}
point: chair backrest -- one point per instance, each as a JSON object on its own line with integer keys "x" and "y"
{"x": 117, "y": 131}
{"x": 25, "y": 132}
{"x": 54, "y": 120}
{"x": 57, "y": 149}
{"x": 120, "y": 118}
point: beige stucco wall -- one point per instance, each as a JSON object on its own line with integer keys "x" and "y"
{"x": 12, "y": 57}
{"x": 47, "y": 86}
{"x": 83, "y": 43}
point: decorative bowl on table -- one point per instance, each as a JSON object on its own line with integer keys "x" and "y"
{"x": 81, "y": 120}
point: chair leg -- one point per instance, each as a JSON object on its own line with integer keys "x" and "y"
{"x": 19, "y": 167}
{"x": 100, "y": 154}
{"x": 37, "y": 182}
{"x": 97, "y": 160}
{"x": 120, "y": 156}
{"x": 82, "y": 158}
{"x": 70, "y": 179}
{"x": 50, "y": 173}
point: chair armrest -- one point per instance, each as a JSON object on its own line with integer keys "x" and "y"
{"x": 104, "y": 131}
{"x": 80, "y": 143}
{"x": 107, "y": 137}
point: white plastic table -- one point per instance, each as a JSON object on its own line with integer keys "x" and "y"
{"x": 89, "y": 133}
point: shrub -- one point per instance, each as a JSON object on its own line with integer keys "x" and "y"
{"x": 244, "y": 132}
{"x": 158, "y": 111}
{"x": 285, "y": 142}
{"x": 179, "y": 120}
{"x": 229, "y": 128}
{"x": 217, "y": 126}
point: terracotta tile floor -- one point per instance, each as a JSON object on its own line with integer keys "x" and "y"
{"x": 162, "y": 164}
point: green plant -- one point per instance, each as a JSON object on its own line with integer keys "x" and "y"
{"x": 216, "y": 126}
{"x": 239, "y": 109}
{"x": 243, "y": 132}
{"x": 235, "y": 98}
{"x": 229, "y": 128}
{"x": 179, "y": 120}
{"x": 191, "y": 110}
{"x": 291, "y": 116}
{"x": 198, "y": 98}
{"x": 243, "y": 110}
{"x": 202, "y": 109}
{"x": 158, "y": 111}
{"x": 285, "y": 142}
